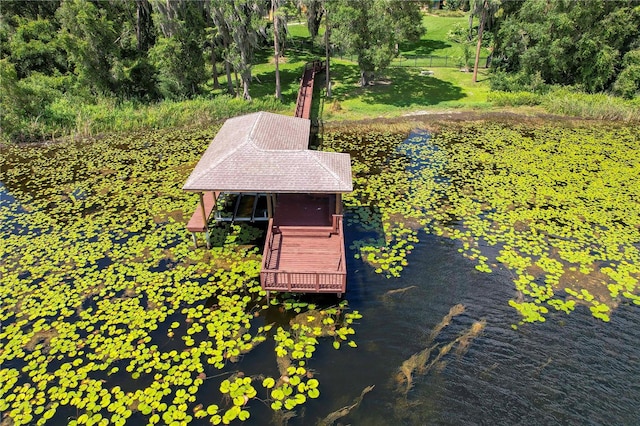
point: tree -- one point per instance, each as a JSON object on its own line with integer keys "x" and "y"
{"x": 89, "y": 38}
{"x": 567, "y": 42}
{"x": 177, "y": 53}
{"x": 275, "y": 12}
{"x": 35, "y": 47}
{"x": 372, "y": 29}
{"x": 327, "y": 51}
{"x": 486, "y": 9}
{"x": 313, "y": 9}
{"x": 145, "y": 34}
{"x": 241, "y": 21}
{"x": 628, "y": 81}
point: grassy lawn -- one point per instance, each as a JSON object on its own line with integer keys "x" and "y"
{"x": 434, "y": 41}
{"x": 403, "y": 90}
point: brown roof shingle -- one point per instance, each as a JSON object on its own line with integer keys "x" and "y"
{"x": 266, "y": 152}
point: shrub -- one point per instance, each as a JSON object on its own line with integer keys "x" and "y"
{"x": 520, "y": 82}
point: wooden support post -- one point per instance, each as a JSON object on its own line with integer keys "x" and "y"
{"x": 205, "y": 219}
{"x": 338, "y": 204}
{"x": 255, "y": 204}
{"x": 269, "y": 206}
{"x": 204, "y": 212}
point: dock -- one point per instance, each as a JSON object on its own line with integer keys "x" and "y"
{"x": 304, "y": 248}
{"x": 260, "y": 166}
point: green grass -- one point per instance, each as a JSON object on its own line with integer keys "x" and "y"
{"x": 402, "y": 91}
{"x": 434, "y": 41}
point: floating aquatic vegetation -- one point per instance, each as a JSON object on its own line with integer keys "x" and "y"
{"x": 108, "y": 313}
{"x": 294, "y": 347}
{"x": 555, "y": 205}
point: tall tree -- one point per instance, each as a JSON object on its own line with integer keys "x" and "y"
{"x": 145, "y": 34}
{"x": 89, "y": 38}
{"x": 327, "y": 53}
{"x": 212, "y": 37}
{"x": 275, "y": 12}
{"x": 485, "y": 9}
{"x": 313, "y": 10}
{"x": 372, "y": 29}
{"x": 177, "y": 53}
{"x": 242, "y": 21}
{"x": 218, "y": 16}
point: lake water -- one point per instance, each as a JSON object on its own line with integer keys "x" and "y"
{"x": 572, "y": 369}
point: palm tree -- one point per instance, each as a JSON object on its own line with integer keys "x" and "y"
{"x": 486, "y": 10}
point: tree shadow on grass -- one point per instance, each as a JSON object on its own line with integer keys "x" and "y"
{"x": 407, "y": 87}
{"x": 289, "y": 83}
{"x": 402, "y": 87}
{"x": 422, "y": 47}
{"x": 347, "y": 75}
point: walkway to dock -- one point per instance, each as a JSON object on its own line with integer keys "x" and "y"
{"x": 305, "y": 94}
{"x": 267, "y": 156}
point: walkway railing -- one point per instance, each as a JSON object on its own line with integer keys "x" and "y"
{"x": 305, "y": 93}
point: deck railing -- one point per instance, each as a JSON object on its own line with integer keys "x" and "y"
{"x": 304, "y": 281}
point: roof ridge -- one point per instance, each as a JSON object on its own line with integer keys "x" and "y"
{"x": 251, "y": 134}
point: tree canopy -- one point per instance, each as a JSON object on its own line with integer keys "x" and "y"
{"x": 372, "y": 30}
{"x": 592, "y": 44}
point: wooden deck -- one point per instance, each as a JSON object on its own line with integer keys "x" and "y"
{"x": 304, "y": 248}
{"x": 200, "y": 218}
{"x": 308, "y": 259}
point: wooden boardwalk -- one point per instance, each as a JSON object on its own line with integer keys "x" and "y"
{"x": 305, "y": 93}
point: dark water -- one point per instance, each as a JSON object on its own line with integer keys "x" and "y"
{"x": 573, "y": 369}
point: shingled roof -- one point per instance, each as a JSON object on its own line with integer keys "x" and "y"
{"x": 266, "y": 152}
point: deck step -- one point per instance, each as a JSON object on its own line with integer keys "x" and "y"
{"x": 306, "y": 231}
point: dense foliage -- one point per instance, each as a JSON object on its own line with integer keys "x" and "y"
{"x": 372, "y": 29}
{"x": 594, "y": 45}
{"x": 61, "y": 53}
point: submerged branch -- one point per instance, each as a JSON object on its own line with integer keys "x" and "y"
{"x": 446, "y": 320}
{"x": 332, "y": 417}
{"x": 419, "y": 363}
{"x": 399, "y": 290}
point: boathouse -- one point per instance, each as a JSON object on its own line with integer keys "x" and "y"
{"x": 266, "y": 156}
